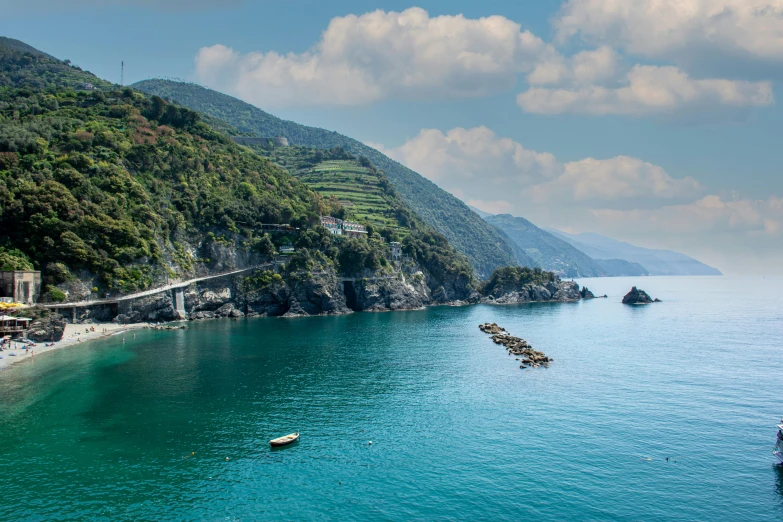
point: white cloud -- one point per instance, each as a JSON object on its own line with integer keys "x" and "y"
{"x": 619, "y": 178}
{"x": 708, "y": 214}
{"x": 751, "y": 29}
{"x": 623, "y": 197}
{"x": 584, "y": 68}
{"x": 378, "y": 55}
{"x": 475, "y": 161}
{"x": 495, "y": 173}
{"x": 651, "y": 90}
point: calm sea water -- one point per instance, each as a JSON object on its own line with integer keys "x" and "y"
{"x": 141, "y": 431}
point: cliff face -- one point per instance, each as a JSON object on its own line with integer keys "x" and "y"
{"x": 394, "y": 293}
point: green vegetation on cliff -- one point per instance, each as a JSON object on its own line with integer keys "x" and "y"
{"x": 485, "y": 246}
{"x": 513, "y": 278}
{"x": 117, "y": 183}
{"x": 124, "y": 189}
{"x": 362, "y": 191}
{"x": 550, "y": 252}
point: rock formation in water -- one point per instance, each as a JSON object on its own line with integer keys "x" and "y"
{"x": 516, "y": 346}
{"x": 557, "y": 290}
{"x": 636, "y": 297}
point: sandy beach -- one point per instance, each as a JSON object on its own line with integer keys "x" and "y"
{"x": 74, "y": 334}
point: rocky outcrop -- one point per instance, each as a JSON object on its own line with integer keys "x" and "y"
{"x": 318, "y": 294}
{"x": 152, "y": 308}
{"x": 392, "y": 293}
{"x": 47, "y": 329}
{"x": 516, "y": 346}
{"x": 638, "y": 297}
{"x": 586, "y": 293}
{"x": 560, "y": 291}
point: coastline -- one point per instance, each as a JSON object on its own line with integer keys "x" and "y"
{"x": 74, "y": 335}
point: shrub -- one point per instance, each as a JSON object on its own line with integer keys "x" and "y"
{"x": 55, "y": 294}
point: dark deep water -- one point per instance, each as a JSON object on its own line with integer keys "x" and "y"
{"x": 105, "y": 431}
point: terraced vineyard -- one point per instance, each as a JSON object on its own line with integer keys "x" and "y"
{"x": 363, "y": 190}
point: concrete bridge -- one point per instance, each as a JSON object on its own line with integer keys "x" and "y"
{"x": 177, "y": 288}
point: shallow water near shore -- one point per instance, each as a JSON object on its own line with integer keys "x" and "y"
{"x": 142, "y": 430}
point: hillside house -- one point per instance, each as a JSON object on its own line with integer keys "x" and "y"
{"x": 396, "y": 251}
{"x": 333, "y": 225}
{"x": 24, "y": 286}
{"x": 354, "y": 229}
{"x": 339, "y": 227}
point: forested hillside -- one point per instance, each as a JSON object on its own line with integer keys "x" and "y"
{"x": 120, "y": 188}
{"x": 550, "y": 252}
{"x": 485, "y": 246}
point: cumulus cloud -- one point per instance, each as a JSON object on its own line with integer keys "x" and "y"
{"x": 619, "y": 178}
{"x": 709, "y": 214}
{"x": 584, "y": 68}
{"x": 679, "y": 29}
{"x": 478, "y": 163}
{"x": 623, "y": 197}
{"x": 651, "y": 90}
{"x": 361, "y": 59}
{"x": 476, "y": 154}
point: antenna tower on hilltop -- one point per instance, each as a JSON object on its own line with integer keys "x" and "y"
{"x": 122, "y": 74}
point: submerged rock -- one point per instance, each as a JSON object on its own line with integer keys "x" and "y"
{"x": 636, "y": 296}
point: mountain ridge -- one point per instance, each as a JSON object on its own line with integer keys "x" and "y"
{"x": 485, "y": 246}
{"x": 656, "y": 261}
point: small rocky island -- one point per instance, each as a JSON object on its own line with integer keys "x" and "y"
{"x": 638, "y": 297}
{"x": 516, "y": 346}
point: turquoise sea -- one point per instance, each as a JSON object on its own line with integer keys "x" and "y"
{"x": 143, "y": 431}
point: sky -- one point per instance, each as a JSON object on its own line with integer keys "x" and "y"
{"x": 654, "y": 121}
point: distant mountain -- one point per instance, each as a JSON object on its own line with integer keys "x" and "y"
{"x": 485, "y": 246}
{"x": 621, "y": 268}
{"x": 657, "y": 262}
{"x": 550, "y": 252}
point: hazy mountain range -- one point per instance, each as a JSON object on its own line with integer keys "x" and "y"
{"x": 657, "y": 262}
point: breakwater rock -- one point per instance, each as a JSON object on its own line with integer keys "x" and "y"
{"x": 530, "y": 358}
{"x": 636, "y": 297}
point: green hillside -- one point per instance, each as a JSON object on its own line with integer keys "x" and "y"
{"x": 355, "y": 184}
{"x": 550, "y": 252}
{"x": 485, "y": 246}
{"x": 121, "y": 189}
{"x": 118, "y": 184}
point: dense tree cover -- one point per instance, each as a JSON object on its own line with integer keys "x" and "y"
{"x": 121, "y": 185}
{"x": 116, "y": 183}
{"x": 14, "y": 259}
{"x": 513, "y": 278}
{"x": 23, "y": 67}
{"x": 549, "y": 251}
{"x": 485, "y": 246}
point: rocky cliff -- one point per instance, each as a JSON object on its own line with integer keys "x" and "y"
{"x": 558, "y": 290}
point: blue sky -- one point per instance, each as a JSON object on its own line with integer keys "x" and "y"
{"x": 664, "y": 131}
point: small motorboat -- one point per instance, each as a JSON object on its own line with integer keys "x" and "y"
{"x": 284, "y": 441}
{"x": 778, "y": 443}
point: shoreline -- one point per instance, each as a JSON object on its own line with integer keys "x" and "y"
{"x": 74, "y": 335}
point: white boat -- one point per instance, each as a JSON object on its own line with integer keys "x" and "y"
{"x": 777, "y": 451}
{"x": 284, "y": 441}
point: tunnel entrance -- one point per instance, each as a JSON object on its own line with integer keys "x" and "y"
{"x": 350, "y": 296}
